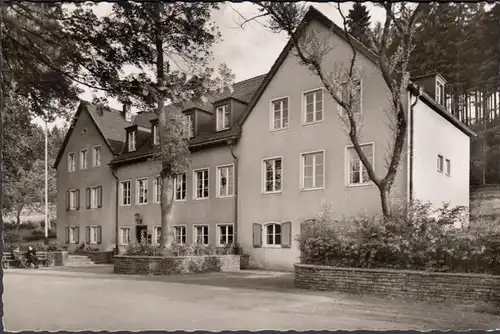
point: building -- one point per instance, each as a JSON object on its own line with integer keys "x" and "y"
{"x": 264, "y": 157}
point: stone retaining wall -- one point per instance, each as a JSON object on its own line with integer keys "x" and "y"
{"x": 100, "y": 257}
{"x": 438, "y": 287}
{"x": 157, "y": 265}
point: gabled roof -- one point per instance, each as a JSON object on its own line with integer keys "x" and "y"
{"x": 314, "y": 14}
{"x": 110, "y": 125}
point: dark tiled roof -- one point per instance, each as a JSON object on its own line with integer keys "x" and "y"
{"x": 144, "y": 119}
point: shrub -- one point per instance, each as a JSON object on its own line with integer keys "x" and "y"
{"x": 143, "y": 248}
{"x": 415, "y": 237}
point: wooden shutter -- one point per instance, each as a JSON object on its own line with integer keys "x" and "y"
{"x": 78, "y": 199}
{"x": 87, "y": 193}
{"x": 87, "y": 236}
{"x": 286, "y": 235}
{"x": 67, "y": 235}
{"x": 98, "y": 235}
{"x": 67, "y": 200}
{"x": 77, "y": 235}
{"x": 99, "y": 197}
{"x": 257, "y": 235}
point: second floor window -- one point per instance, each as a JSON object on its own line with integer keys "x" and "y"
{"x": 83, "y": 159}
{"x": 131, "y": 141}
{"x": 440, "y": 163}
{"x": 225, "y": 181}
{"x": 156, "y": 189}
{"x": 313, "y": 106}
{"x": 94, "y": 197}
{"x": 272, "y": 175}
{"x": 71, "y": 162}
{"x": 73, "y": 199}
{"x": 279, "y": 114}
{"x": 125, "y": 192}
{"x": 142, "y": 191}
{"x": 448, "y": 167}
{"x": 201, "y": 183}
{"x": 357, "y": 171}
{"x": 96, "y": 156}
{"x": 351, "y": 95}
{"x": 180, "y": 187}
{"x": 156, "y": 135}
{"x": 313, "y": 170}
{"x": 222, "y": 118}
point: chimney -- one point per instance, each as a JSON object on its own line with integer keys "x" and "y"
{"x": 126, "y": 112}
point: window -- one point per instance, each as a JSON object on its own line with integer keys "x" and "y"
{"x": 440, "y": 92}
{"x": 191, "y": 121}
{"x": 96, "y": 156}
{"x": 125, "y": 193}
{"x": 313, "y": 106}
{"x": 73, "y": 235}
{"x": 156, "y": 189}
{"x": 440, "y": 163}
{"x": 71, "y": 162}
{"x": 201, "y": 234}
{"x": 222, "y": 118}
{"x": 313, "y": 170}
{"x": 273, "y": 234}
{"x": 156, "y": 135}
{"x": 201, "y": 183}
{"x": 157, "y": 234}
{"x": 180, "y": 234}
{"x": 226, "y": 234}
{"x": 131, "y": 141}
{"x": 142, "y": 191}
{"x": 124, "y": 235}
{"x": 279, "y": 114}
{"x": 73, "y": 199}
{"x": 225, "y": 181}
{"x": 357, "y": 96}
{"x": 94, "y": 235}
{"x": 357, "y": 171}
{"x": 180, "y": 187}
{"x": 83, "y": 159}
{"x": 94, "y": 197}
{"x": 272, "y": 175}
{"x": 448, "y": 167}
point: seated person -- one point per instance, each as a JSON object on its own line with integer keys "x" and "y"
{"x": 31, "y": 257}
{"x": 17, "y": 256}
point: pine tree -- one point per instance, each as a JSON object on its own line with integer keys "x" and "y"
{"x": 358, "y": 23}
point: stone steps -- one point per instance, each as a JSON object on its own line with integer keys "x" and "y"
{"x": 79, "y": 261}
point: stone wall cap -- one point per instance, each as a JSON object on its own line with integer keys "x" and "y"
{"x": 168, "y": 257}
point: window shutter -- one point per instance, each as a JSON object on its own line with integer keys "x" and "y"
{"x": 67, "y": 200}
{"x": 67, "y": 235}
{"x": 257, "y": 235}
{"x": 78, "y": 199}
{"x": 286, "y": 235}
{"x": 87, "y": 193}
{"x": 77, "y": 235}
{"x": 99, "y": 235}
{"x": 99, "y": 197}
{"x": 87, "y": 236}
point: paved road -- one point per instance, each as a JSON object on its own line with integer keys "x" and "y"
{"x": 95, "y": 299}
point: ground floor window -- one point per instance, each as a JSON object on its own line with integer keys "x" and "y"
{"x": 73, "y": 235}
{"x": 93, "y": 235}
{"x": 180, "y": 234}
{"x": 273, "y": 234}
{"x": 125, "y": 235}
{"x": 201, "y": 234}
{"x": 226, "y": 234}
{"x": 157, "y": 234}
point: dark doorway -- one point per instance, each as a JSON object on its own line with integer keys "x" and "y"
{"x": 141, "y": 233}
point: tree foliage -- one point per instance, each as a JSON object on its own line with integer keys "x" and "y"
{"x": 358, "y": 23}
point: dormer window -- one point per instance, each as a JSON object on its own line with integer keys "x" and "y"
{"x": 222, "y": 113}
{"x": 190, "y": 118}
{"x": 440, "y": 92}
{"x": 131, "y": 141}
{"x": 156, "y": 135}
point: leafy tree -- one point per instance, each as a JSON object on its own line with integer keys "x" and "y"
{"x": 358, "y": 23}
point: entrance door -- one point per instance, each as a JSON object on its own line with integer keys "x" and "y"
{"x": 141, "y": 233}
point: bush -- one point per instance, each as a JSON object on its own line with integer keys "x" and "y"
{"x": 146, "y": 249}
{"x": 415, "y": 237}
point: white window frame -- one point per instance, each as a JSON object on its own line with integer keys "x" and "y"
{"x": 271, "y": 114}
{"x": 342, "y": 111}
{"x": 71, "y": 162}
{"x": 72, "y": 199}
{"x": 219, "y": 234}
{"x": 303, "y": 170}
{"x": 224, "y": 109}
{"x": 263, "y": 175}
{"x": 195, "y": 233}
{"x": 156, "y": 189}
{"x": 304, "y": 106}
{"x": 156, "y": 135}
{"x": 439, "y": 97}
{"x": 183, "y": 226}
{"x": 264, "y": 235}
{"x": 96, "y": 156}
{"x": 93, "y": 234}
{"x": 129, "y": 192}
{"x": 440, "y": 163}
{"x": 156, "y": 235}
{"x": 184, "y": 189}
{"x": 137, "y": 190}
{"x": 348, "y": 166}
{"x": 93, "y": 197}
{"x": 72, "y": 230}
{"x": 448, "y": 167}
{"x": 84, "y": 159}
{"x": 122, "y": 230}
{"x": 195, "y": 183}
{"x": 227, "y": 195}
{"x": 192, "y": 120}
{"x": 132, "y": 142}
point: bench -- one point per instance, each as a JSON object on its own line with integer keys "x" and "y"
{"x": 8, "y": 259}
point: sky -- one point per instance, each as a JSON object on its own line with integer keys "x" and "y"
{"x": 249, "y": 51}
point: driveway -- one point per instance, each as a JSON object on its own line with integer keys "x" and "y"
{"x": 95, "y": 299}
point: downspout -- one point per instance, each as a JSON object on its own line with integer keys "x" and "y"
{"x": 231, "y": 143}
{"x": 117, "y": 228}
{"x": 415, "y": 91}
